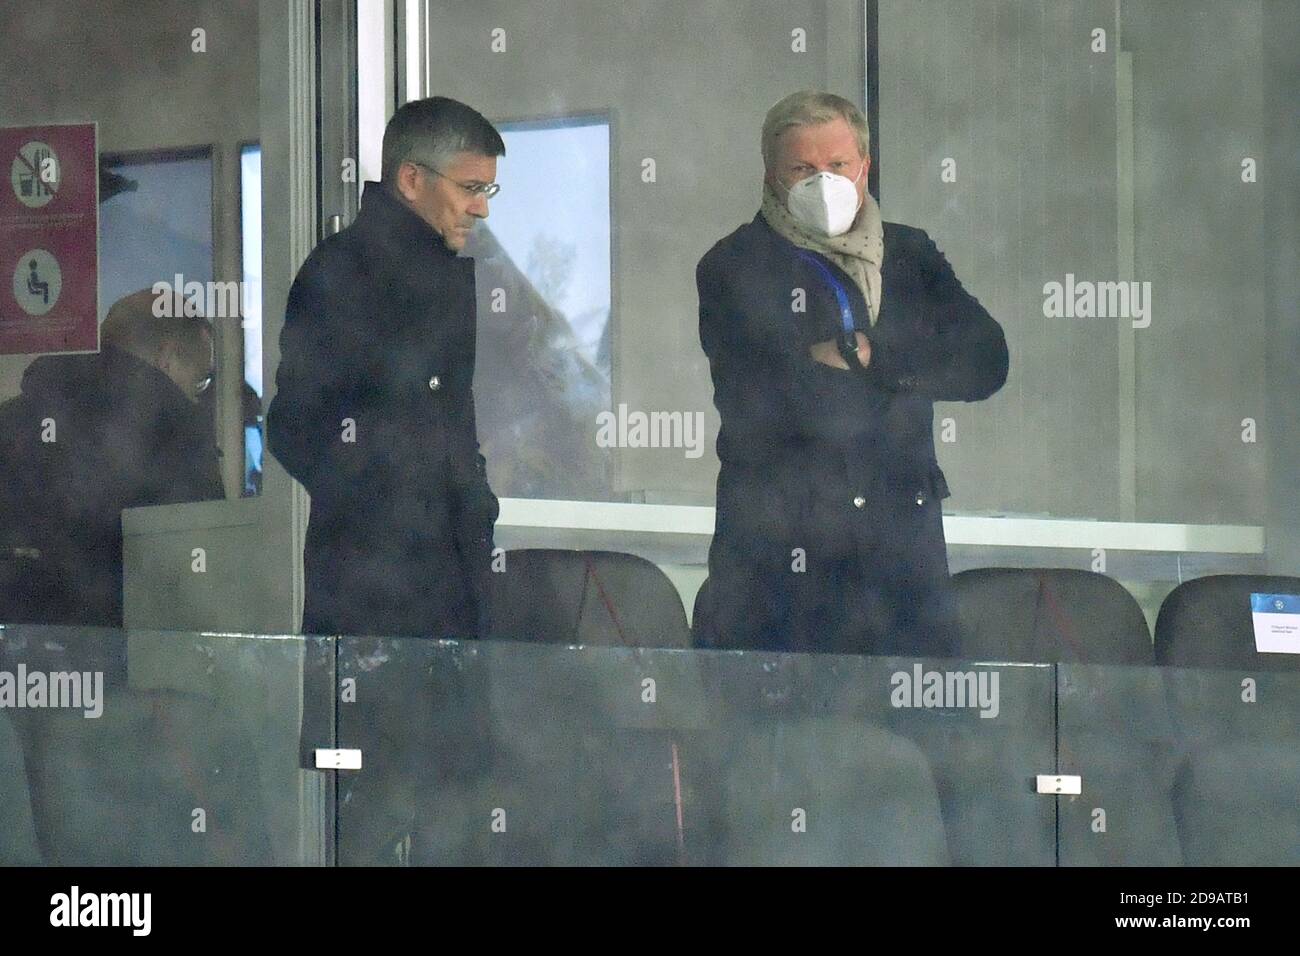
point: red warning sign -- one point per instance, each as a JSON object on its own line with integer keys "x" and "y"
{"x": 49, "y": 239}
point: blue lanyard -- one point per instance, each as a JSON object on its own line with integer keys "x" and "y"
{"x": 846, "y": 312}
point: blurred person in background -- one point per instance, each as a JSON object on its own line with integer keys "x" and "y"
{"x": 88, "y": 436}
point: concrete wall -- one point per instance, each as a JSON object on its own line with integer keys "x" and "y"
{"x": 1033, "y": 117}
{"x": 1282, "y": 254}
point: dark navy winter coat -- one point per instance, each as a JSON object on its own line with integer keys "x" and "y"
{"x": 374, "y": 414}
{"x": 125, "y": 436}
{"x": 829, "y": 531}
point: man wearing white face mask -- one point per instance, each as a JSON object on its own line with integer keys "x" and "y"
{"x": 830, "y": 334}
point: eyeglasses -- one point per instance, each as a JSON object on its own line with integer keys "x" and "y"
{"x": 486, "y": 190}
{"x": 204, "y": 383}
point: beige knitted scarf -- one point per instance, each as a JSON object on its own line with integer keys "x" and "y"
{"x": 858, "y": 252}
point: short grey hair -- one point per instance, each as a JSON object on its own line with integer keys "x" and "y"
{"x": 811, "y": 108}
{"x": 434, "y": 131}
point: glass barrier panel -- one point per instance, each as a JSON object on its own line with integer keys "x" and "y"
{"x": 1181, "y": 765}
{"x": 1117, "y": 733}
{"x": 502, "y": 753}
{"x": 156, "y": 748}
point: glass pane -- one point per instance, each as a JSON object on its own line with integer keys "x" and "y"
{"x": 1180, "y": 766}
{"x": 150, "y": 410}
{"x": 153, "y": 748}
{"x": 155, "y": 223}
{"x": 543, "y": 269}
{"x": 684, "y": 171}
{"x": 1117, "y": 733}
{"x": 499, "y": 753}
{"x": 250, "y": 232}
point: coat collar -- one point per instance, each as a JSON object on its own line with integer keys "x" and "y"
{"x": 395, "y": 228}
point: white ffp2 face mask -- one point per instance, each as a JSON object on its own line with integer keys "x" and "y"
{"x": 825, "y": 203}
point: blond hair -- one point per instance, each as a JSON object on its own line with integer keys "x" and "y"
{"x": 131, "y": 325}
{"x": 811, "y": 108}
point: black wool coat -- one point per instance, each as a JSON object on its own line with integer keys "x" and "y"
{"x": 374, "y": 415}
{"x": 829, "y": 533}
{"x": 124, "y": 436}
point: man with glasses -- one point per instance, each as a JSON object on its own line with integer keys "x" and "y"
{"x": 830, "y": 335}
{"x": 89, "y": 436}
{"x": 374, "y": 406}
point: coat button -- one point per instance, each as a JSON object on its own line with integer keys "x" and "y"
{"x": 859, "y": 502}
{"x": 435, "y": 383}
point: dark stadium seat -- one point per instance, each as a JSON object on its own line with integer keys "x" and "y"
{"x": 1124, "y": 748}
{"x": 17, "y": 834}
{"x": 1236, "y": 804}
{"x": 586, "y": 597}
{"x": 829, "y": 792}
{"x": 618, "y": 813}
{"x": 1235, "y": 795}
{"x": 1115, "y": 730}
{"x": 123, "y": 788}
{"x": 1049, "y": 615}
{"x": 561, "y": 740}
{"x": 1206, "y": 622}
{"x": 702, "y": 610}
